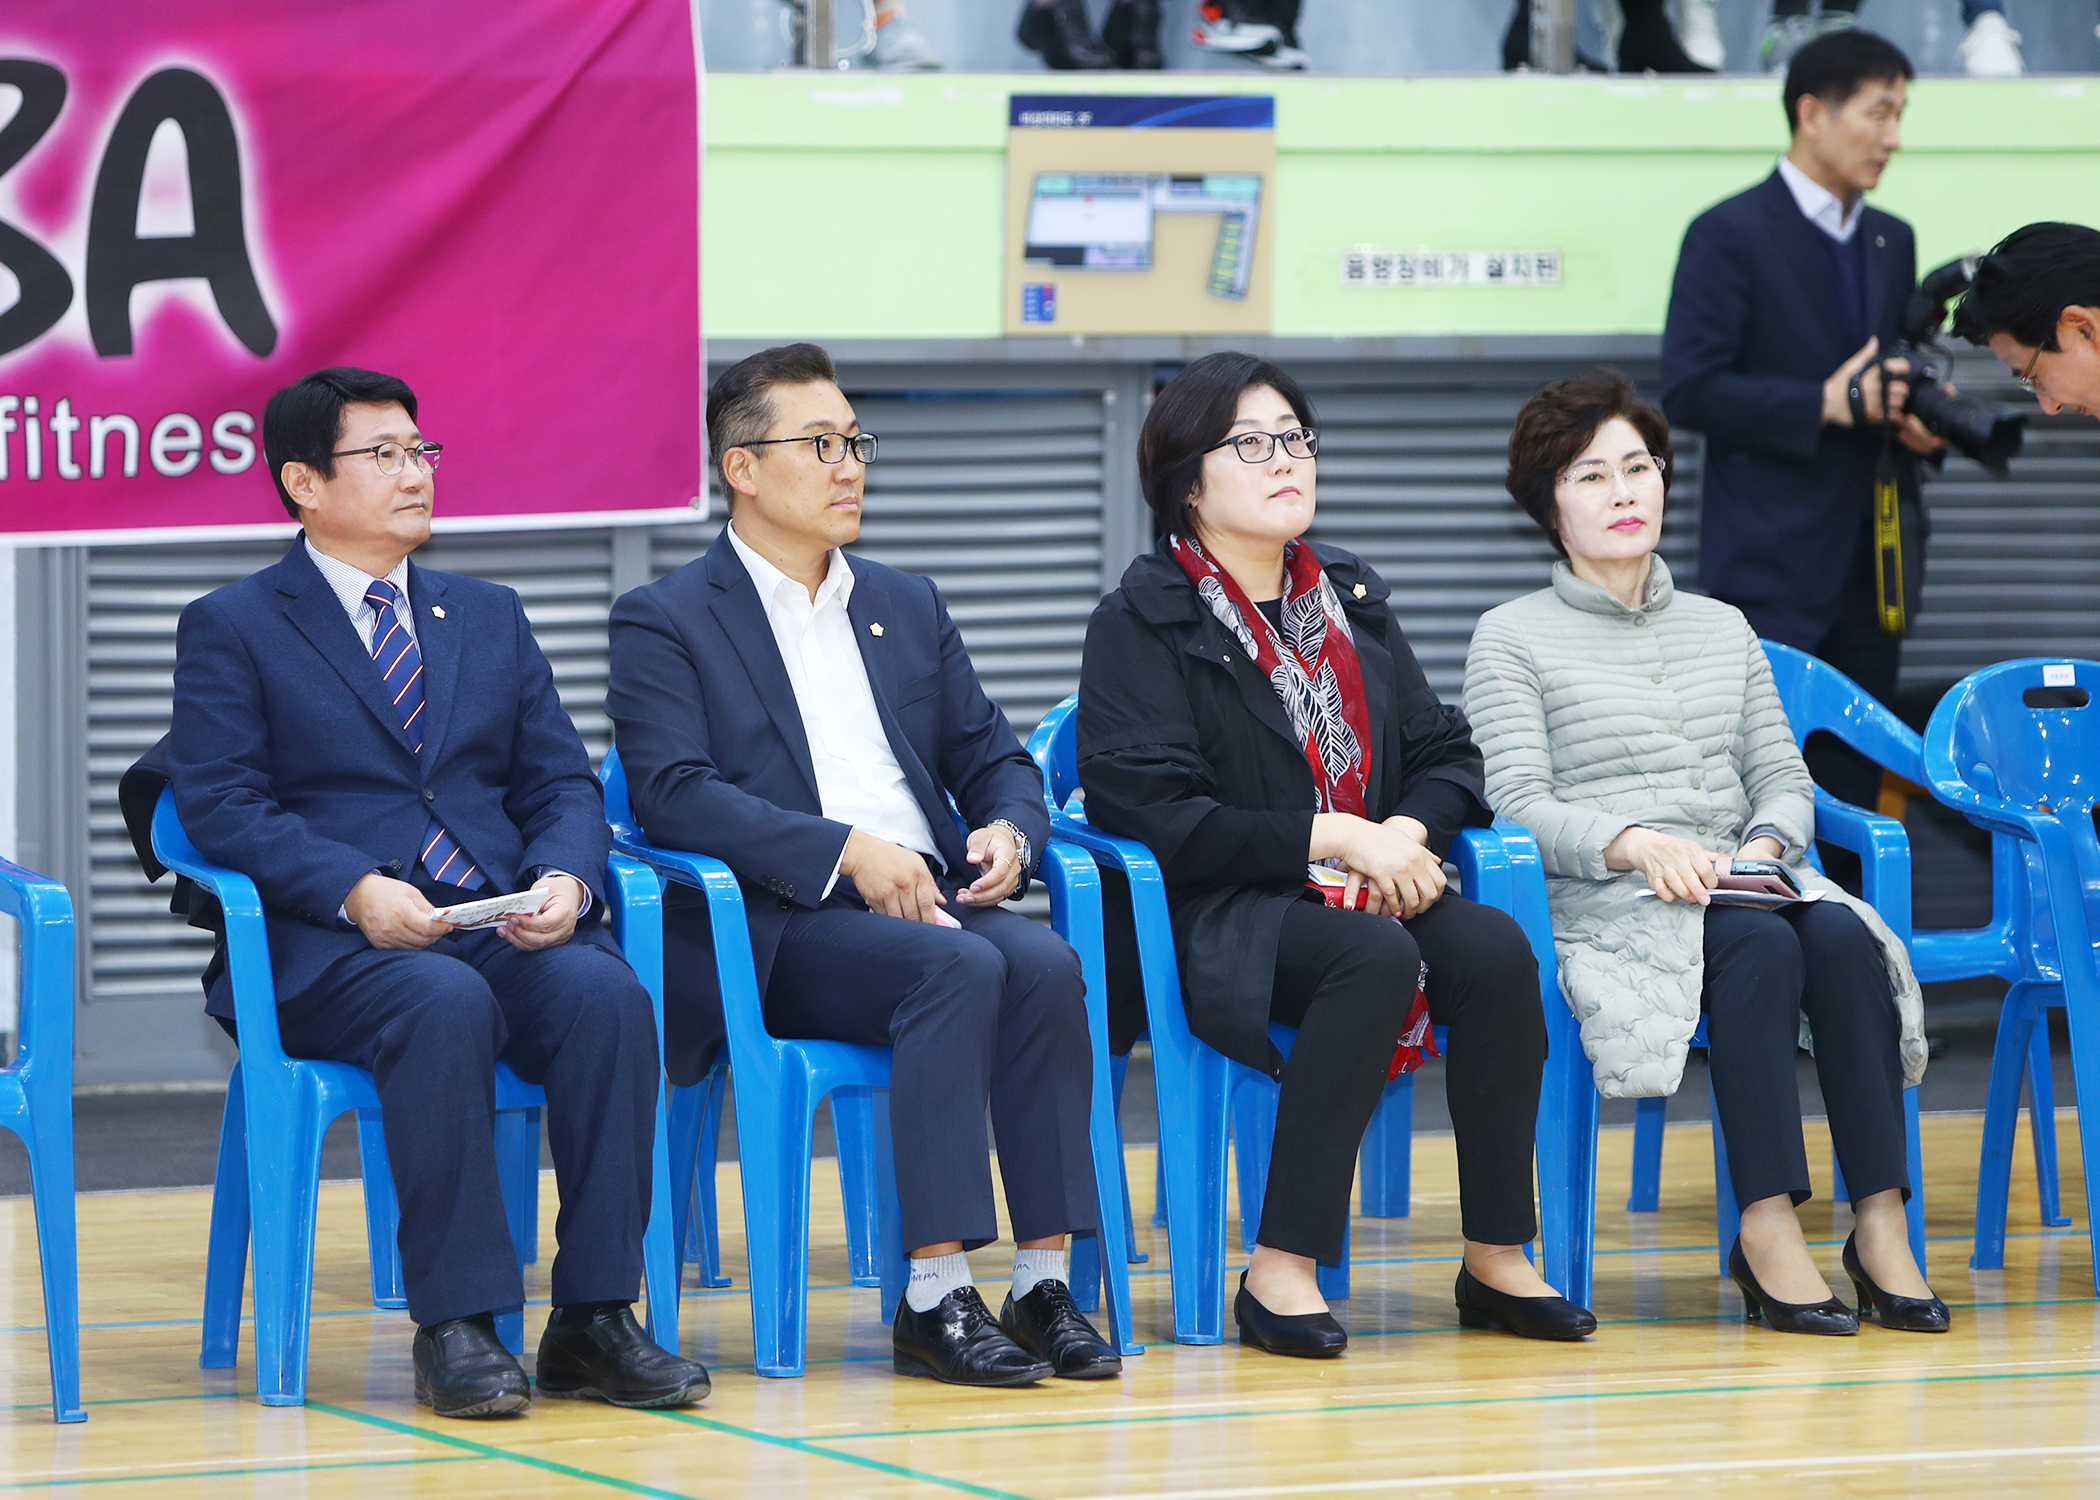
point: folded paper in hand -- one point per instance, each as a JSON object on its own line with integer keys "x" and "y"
{"x": 469, "y": 915}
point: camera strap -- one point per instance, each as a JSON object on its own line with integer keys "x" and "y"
{"x": 1891, "y": 607}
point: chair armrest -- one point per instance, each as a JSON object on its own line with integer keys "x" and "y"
{"x": 736, "y": 976}
{"x": 247, "y": 941}
{"x": 1883, "y": 847}
{"x": 44, "y": 1021}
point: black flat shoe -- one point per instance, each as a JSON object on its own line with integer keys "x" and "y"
{"x": 1904, "y": 1314}
{"x": 463, "y": 1370}
{"x": 1831, "y": 1318}
{"x": 1299, "y": 1335}
{"x": 1062, "y": 33}
{"x": 1481, "y": 1306}
{"x": 1049, "y": 1326}
{"x": 596, "y": 1351}
{"x": 958, "y": 1340}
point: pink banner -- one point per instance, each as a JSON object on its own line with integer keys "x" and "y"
{"x": 202, "y": 200}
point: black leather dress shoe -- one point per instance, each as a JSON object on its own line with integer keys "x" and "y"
{"x": 1904, "y": 1314}
{"x": 1049, "y": 1326}
{"x": 595, "y": 1351}
{"x": 1064, "y": 36}
{"x": 959, "y": 1341}
{"x": 1300, "y": 1335}
{"x": 1481, "y": 1306}
{"x": 1830, "y": 1318}
{"x": 463, "y": 1370}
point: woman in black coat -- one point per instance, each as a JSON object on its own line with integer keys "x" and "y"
{"x": 1247, "y": 707}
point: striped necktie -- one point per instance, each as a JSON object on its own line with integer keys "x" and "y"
{"x": 401, "y": 669}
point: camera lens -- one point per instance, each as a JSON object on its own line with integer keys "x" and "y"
{"x": 1985, "y": 432}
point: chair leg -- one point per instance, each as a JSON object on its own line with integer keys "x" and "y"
{"x": 510, "y": 1328}
{"x": 773, "y": 1128}
{"x": 1566, "y": 1147}
{"x": 853, "y": 1130}
{"x": 1254, "y": 1102}
{"x": 707, "y": 1223}
{"x": 2085, "y": 1080}
{"x": 382, "y": 1213}
{"x": 1107, "y": 1275}
{"x": 1649, "y": 1116}
{"x": 1118, "y": 1070}
{"x": 284, "y": 1163}
{"x": 1385, "y": 1163}
{"x": 1159, "y": 1189}
{"x": 1193, "y": 1130}
{"x": 50, "y": 1142}
{"x": 1839, "y": 1193}
{"x": 2016, "y": 1017}
{"x": 688, "y": 1102}
{"x": 892, "y": 1269}
{"x": 226, "y": 1259}
{"x": 659, "y": 1243}
{"x": 1914, "y": 1211}
{"x": 1728, "y": 1218}
{"x": 510, "y": 1159}
{"x": 2041, "y": 1124}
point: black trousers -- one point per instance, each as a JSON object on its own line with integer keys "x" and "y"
{"x": 993, "y": 1013}
{"x": 1764, "y": 971}
{"x": 1346, "y": 980}
{"x": 430, "y": 1026}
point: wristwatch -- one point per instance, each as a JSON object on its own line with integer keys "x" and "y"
{"x": 1020, "y": 841}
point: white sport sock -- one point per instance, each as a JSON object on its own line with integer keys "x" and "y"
{"x": 1031, "y": 1266}
{"x": 934, "y": 1277}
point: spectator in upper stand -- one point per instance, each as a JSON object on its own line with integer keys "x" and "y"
{"x": 1648, "y": 44}
{"x": 1990, "y": 50}
{"x": 1062, "y": 33}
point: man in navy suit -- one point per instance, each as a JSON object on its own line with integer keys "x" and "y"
{"x": 369, "y": 741}
{"x": 805, "y": 717}
{"x": 1783, "y": 298}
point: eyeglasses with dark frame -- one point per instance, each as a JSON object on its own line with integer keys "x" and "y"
{"x": 831, "y": 447}
{"x": 2025, "y": 379}
{"x": 392, "y": 458}
{"x": 1260, "y": 447}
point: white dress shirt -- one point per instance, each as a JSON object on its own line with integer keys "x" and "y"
{"x": 1820, "y": 206}
{"x": 350, "y": 584}
{"x": 859, "y": 782}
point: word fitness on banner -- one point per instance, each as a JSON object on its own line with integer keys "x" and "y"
{"x": 1419, "y": 268}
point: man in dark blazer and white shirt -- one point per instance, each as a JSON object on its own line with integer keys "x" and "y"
{"x": 805, "y": 717}
{"x": 1784, "y": 296}
{"x": 368, "y": 740}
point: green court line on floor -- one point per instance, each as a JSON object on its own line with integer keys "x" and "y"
{"x": 363, "y": 1463}
{"x": 485, "y": 1450}
{"x": 135, "y": 1400}
{"x": 813, "y": 1448}
{"x": 1352, "y": 1408}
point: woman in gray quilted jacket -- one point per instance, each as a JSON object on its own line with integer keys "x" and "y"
{"x": 1636, "y": 732}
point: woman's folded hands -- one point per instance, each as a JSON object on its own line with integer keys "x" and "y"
{"x": 1391, "y": 861}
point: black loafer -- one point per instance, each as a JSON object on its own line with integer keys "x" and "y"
{"x": 1299, "y": 1335}
{"x": 1830, "y": 1318}
{"x": 1048, "y": 1325}
{"x": 1904, "y": 1314}
{"x": 1481, "y": 1306}
{"x": 463, "y": 1370}
{"x": 595, "y": 1351}
{"x": 959, "y": 1341}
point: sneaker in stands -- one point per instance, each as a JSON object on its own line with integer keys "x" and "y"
{"x": 1699, "y": 31}
{"x": 1232, "y": 27}
{"x": 1991, "y": 49}
{"x": 900, "y": 47}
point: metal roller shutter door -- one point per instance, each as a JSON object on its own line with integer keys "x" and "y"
{"x": 134, "y": 597}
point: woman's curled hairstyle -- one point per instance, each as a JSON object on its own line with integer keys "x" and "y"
{"x": 1554, "y": 427}
{"x": 1191, "y": 416}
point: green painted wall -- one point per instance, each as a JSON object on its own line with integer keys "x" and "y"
{"x": 873, "y": 208}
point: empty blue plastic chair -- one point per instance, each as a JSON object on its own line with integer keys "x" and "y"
{"x": 780, "y": 1081}
{"x": 36, "y": 1103}
{"x": 1816, "y": 696}
{"x": 2016, "y": 747}
{"x": 278, "y": 1108}
{"x": 1195, "y": 1083}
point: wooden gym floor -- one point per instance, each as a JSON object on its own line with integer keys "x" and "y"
{"x": 1675, "y": 1394}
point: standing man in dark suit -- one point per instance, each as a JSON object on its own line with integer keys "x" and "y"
{"x": 1783, "y": 298}
{"x": 369, "y": 741}
{"x": 805, "y": 717}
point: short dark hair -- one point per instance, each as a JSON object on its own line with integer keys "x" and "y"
{"x": 2023, "y": 286}
{"x": 740, "y": 402}
{"x": 1192, "y": 416}
{"x": 1554, "y": 427}
{"x": 304, "y": 421}
{"x": 1836, "y": 66}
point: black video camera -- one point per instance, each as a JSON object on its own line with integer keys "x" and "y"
{"x": 1983, "y": 430}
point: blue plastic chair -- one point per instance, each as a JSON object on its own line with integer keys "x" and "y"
{"x": 1196, "y": 1084}
{"x": 1816, "y": 696}
{"x": 2030, "y": 774}
{"x": 780, "y": 1081}
{"x": 268, "y": 1175}
{"x": 36, "y": 1103}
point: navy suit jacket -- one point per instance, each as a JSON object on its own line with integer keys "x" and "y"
{"x": 290, "y": 764}
{"x": 1754, "y": 330}
{"x": 717, "y": 762}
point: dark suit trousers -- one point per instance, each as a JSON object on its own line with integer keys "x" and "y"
{"x": 1764, "y": 971}
{"x": 1346, "y": 980}
{"x": 994, "y": 1013}
{"x": 430, "y": 1026}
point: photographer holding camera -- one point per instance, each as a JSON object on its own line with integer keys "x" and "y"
{"x": 1785, "y": 299}
{"x": 2035, "y": 302}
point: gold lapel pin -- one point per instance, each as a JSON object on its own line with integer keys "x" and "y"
{"x": 875, "y": 630}
{"x": 438, "y": 610}
{"x": 1359, "y": 591}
